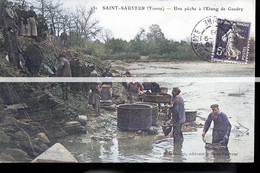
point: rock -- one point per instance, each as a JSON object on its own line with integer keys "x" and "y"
{"x": 43, "y": 138}
{"x": 82, "y": 119}
{"x": 109, "y": 108}
{"x": 18, "y": 154}
{"x": 56, "y": 153}
{"x": 55, "y": 133}
{"x": 150, "y": 131}
{"x": 40, "y": 148}
{"x": 43, "y": 146}
{"x": 74, "y": 127}
{"x": 17, "y": 106}
{"x": 4, "y": 138}
{"x": 4, "y": 158}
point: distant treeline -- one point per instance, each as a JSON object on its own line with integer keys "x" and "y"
{"x": 151, "y": 45}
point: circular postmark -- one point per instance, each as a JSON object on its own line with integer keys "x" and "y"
{"x": 203, "y": 37}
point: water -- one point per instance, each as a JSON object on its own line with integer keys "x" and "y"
{"x": 106, "y": 143}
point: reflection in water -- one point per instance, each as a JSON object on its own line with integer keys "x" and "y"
{"x": 177, "y": 153}
{"x": 220, "y": 154}
{"x": 135, "y": 145}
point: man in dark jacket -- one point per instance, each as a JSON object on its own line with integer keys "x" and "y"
{"x": 222, "y": 126}
{"x": 178, "y": 117}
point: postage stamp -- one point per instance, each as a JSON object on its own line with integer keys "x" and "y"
{"x": 203, "y": 37}
{"x": 232, "y": 41}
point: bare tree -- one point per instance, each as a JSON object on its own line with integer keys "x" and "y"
{"x": 42, "y": 5}
{"x": 52, "y": 13}
{"x": 106, "y": 35}
{"x": 87, "y": 28}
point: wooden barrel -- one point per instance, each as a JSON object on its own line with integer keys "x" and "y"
{"x": 134, "y": 116}
{"x": 158, "y": 98}
{"x": 155, "y": 110}
{"x": 190, "y": 115}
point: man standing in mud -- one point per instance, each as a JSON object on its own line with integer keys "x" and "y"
{"x": 222, "y": 126}
{"x": 64, "y": 71}
{"x": 94, "y": 96}
{"x": 178, "y": 116}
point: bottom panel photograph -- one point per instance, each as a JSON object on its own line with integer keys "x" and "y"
{"x": 201, "y": 122}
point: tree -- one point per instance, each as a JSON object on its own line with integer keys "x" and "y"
{"x": 155, "y": 33}
{"x": 106, "y": 35}
{"x": 115, "y": 45}
{"x": 53, "y": 12}
{"x": 139, "y": 43}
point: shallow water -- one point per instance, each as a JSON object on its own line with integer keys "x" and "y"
{"x": 110, "y": 144}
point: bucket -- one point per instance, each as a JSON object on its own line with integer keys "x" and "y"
{"x": 190, "y": 115}
{"x": 134, "y": 116}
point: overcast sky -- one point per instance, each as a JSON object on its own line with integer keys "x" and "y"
{"x": 176, "y": 25}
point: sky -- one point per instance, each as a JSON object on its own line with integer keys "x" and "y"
{"x": 175, "y": 24}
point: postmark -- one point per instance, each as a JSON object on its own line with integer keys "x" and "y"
{"x": 232, "y": 41}
{"x": 203, "y": 37}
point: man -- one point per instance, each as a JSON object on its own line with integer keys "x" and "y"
{"x": 107, "y": 86}
{"x": 94, "y": 96}
{"x": 178, "y": 115}
{"x": 133, "y": 89}
{"x": 107, "y": 73}
{"x": 51, "y": 34}
{"x": 64, "y": 71}
{"x": 152, "y": 86}
{"x": 63, "y": 38}
{"x": 222, "y": 126}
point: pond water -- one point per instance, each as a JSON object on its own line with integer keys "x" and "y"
{"x": 109, "y": 144}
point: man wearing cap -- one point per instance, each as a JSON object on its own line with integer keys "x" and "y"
{"x": 222, "y": 126}
{"x": 178, "y": 115}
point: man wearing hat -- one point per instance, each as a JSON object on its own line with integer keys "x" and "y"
{"x": 178, "y": 117}
{"x": 222, "y": 126}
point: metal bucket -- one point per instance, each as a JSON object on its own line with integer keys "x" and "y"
{"x": 190, "y": 115}
{"x": 134, "y": 117}
{"x": 155, "y": 110}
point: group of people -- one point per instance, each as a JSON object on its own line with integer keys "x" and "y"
{"x": 27, "y": 22}
{"x": 222, "y": 126}
{"x": 133, "y": 90}
{"x": 221, "y": 129}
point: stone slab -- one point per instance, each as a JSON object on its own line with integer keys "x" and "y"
{"x": 55, "y": 154}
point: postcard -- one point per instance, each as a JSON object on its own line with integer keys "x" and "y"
{"x": 127, "y": 81}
